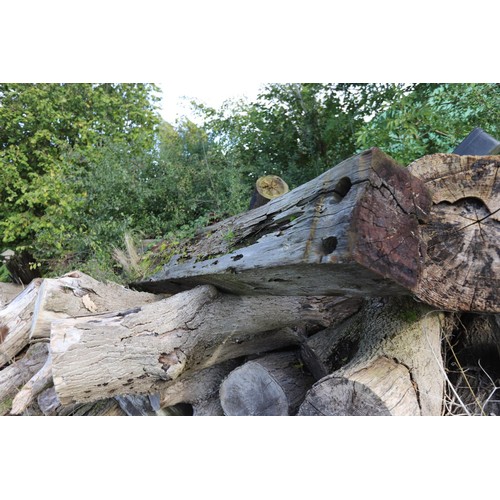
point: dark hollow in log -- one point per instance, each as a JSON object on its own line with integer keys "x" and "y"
{"x": 351, "y": 231}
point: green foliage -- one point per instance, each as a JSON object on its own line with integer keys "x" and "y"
{"x": 41, "y": 127}
{"x": 432, "y": 118}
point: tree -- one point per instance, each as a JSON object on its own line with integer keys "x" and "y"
{"x": 432, "y": 118}
{"x": 49, "y": 134}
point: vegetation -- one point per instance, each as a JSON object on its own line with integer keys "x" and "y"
{"x": 85, "y": 170}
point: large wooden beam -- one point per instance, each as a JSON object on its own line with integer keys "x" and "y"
{"x": 351, "y": 231}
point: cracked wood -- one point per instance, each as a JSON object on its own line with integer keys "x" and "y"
{"x": 351, "y": 231}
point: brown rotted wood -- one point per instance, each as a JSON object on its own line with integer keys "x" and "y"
{"x": 461, "y": 238}
{"x": 351, "y": 231}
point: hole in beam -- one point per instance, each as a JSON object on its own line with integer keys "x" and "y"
{"x": 342, "y": 188}
{"x": 329, "y": 244}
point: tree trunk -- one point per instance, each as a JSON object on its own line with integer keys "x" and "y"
{"x": 391, "y": 365}
{"x": 462, "y": 271}
{"x": 77, "y": 294}
{"x": 15, "y": 323}
{"x": 351, "y": 231}
{"x": 136, "y": 351}
{"x": 274, "y": 384}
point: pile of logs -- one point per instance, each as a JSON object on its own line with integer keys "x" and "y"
{"x": 371, "y": 290}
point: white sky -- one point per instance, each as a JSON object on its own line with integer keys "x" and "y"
{"x": 177, "y": 95}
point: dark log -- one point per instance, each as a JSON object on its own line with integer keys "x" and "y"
{"x": 272, "y": 385}
{"x": 461, "y": 237}
{"x": 136, "y": 351}
{"x": 351, "y": 231}
{"x": 391, "y": 362}
{"x": 198, "y": 392}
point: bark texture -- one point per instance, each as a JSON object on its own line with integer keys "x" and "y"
{"x": 393, "y": 342}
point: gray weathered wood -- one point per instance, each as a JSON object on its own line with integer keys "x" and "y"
{"x": 136, "y": 351}
{"x": 77, "y": 294}
{"x": 388, "y": 335}
{"x": 351, "y": 231}
{"x": 461, "y": 238}
{"x": 199, "y": 389}
{"x": 274, "y": 384}
{"x": 15, "y": 322}
{"x": 9, "y": 291}
{"x": 16, "y": 375}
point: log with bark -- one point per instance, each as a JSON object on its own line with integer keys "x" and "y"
{"x": 385, "y": 360}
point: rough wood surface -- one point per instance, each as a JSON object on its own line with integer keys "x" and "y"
{"x": 15, "y": 322}
{"x": 391, "y": 334}
{"x": 9, "y": 291}
{"x": 274, "y": 384}
{"x": 462, "y": 236}
{"x": 135, "y": 351}
{"x": 16, "y": 375}
{"x": 77, "y": 294}
{"x": 351, "y": 231}
{"x": 199, "y": 389}
{"x": 39, "y": 382}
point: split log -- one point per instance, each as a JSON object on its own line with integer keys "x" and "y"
{"x": 77, "y": 294}
{"x": 14, "y": 376}
{"x": 8, "y": 291}
{"x": 351, "y": 231}
{"x": 273, "y": 385}
{"x": 137, "y": 350}
{"x": 200, "y": 390}
{"x": 460, "y": 239}
{"x": 392, "y": 366}
{"x": 15, "y": 322}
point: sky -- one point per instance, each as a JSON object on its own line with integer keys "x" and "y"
{"x": 177, "y": 94}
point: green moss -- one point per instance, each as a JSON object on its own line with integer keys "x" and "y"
{"x": 5, "y": 406}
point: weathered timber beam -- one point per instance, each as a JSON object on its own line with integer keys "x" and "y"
{"x": 351, "y": 231}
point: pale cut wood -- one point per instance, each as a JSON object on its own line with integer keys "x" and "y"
{"x": 387, "y": 334}
{"x": 39, "y": 382}
{"x": 9, "y": 291}
{"x": 77, "y": 294}
{"x": 15, "y": 322}
{"x": 135, "y": 351}
{"x": 14, "y": 376}
{"x": 274, "y": 384}
{"x": 351, "y": 231}
{"x": 461, "y": 238}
